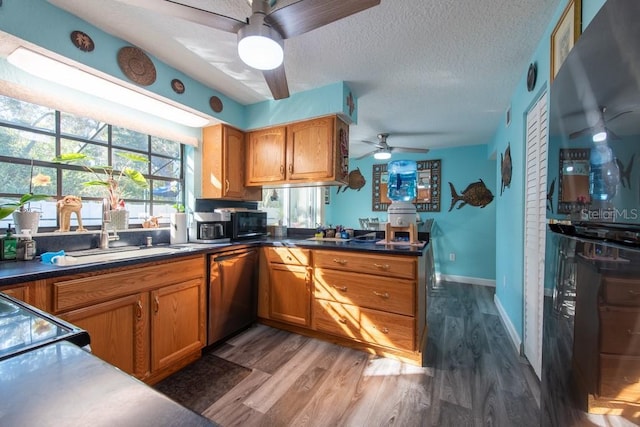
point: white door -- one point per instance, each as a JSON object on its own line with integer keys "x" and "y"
{"x": 535, "y": 230}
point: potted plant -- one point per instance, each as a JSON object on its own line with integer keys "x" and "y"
{"x": 23, "y": 217}
{"x": 114, "y": 183}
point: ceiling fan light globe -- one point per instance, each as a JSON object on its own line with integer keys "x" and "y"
{"x": 382, "y": 155}
{"x": 260, "y": 47}
{"x": 600, "y": 136}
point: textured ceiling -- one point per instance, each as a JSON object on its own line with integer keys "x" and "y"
{"x": 431, "y": 73}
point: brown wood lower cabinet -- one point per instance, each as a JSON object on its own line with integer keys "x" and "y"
{"x": 147, "y": 320}
{"x": 374, "y": 302}
{"x": 118, "y": 331}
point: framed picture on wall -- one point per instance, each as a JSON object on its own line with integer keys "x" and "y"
{"x": 565, "y": 34}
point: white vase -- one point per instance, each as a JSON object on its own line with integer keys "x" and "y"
{"x": 119, "y": 219}
{"x": 26, "y": 220}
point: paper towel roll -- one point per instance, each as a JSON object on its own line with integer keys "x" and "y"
{"x": 178, "y": 228}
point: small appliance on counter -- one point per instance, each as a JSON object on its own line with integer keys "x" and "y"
{"x": 210, "y": 227}
{"x": 401, "y": 190}
{"x": 246, "y": 224}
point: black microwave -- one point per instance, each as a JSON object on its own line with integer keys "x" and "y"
{"x": 248, "y": 225}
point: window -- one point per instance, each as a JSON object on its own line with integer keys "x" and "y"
{"x": 295, "y": 207}
{"x": 31, "y": 136}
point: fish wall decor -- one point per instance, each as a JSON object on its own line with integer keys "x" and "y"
{"x": 625, "y": 173}
{"x": 355, "y": 182}
{"x": 476, "y": 194}
{"x": 550, "y": 195}
{"x": 505, "y": 168}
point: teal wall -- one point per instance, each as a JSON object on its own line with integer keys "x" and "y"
{"x": 469, "y": 232}
{"x": 510, "y": 207}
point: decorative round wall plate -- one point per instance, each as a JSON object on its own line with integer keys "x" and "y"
{"x": 82, "y": 41}
{"x": 215, "y": 103}
{"x": 531, "y": 76}
{"x": 136, "y": 65}
{"x": 177, "y": 86}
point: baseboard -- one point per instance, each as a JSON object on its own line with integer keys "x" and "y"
{"x": 515, "y": 338}
{"x": 465, "y": 279}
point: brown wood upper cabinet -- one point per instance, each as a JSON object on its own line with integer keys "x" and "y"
{"x": 311, "y": 151}
{"x": 223, "y": 153}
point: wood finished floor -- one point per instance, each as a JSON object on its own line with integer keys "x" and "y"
{"x": 473, "y": 375}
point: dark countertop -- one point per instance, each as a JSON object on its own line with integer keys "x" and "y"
{"x": 13, "y": 272}
{"x": 63, "y": 385}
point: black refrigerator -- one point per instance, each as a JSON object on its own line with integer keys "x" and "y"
{"x": 591, "y": 333}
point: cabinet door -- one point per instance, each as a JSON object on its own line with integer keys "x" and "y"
{"x": 223, "y": 156}
{"x": 290, "y": 297}
{"x": 266, "y": 156}
{"x": 177, "y": 322}
{"x": 119, "y": 331}
{"x": 310, "y": 153}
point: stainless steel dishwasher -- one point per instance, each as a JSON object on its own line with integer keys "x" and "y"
{"x": 232, "y": 292}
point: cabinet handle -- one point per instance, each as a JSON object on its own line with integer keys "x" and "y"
{"x": 384, "y": 295}
{"x": 630, "y": 332}
{"x": 340, "y": 261}
{"x": 139, "y": 309}
{"x": 226, "y": 185}
{"x": 633, "y": 293}
{"x": 384, "y": 330}
{"x": 290, "y": 167}
{"x": 384, "y": 267}
{"x": 341, "y": 288}
{"x": 157, "y": 299}
{"x": 281, "y": 169}
{"x": 342, "y": 320}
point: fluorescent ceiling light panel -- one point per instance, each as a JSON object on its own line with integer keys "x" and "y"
{"x": 52, "y": 70}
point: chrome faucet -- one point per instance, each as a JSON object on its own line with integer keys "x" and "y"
{"x": 105, "y": 237}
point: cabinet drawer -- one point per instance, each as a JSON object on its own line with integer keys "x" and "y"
{"x": 620, "y": 377}
{"x": 371, "y": 326}
{"x": 383, "y": 265}
{"x": 389, "y": 330}
{"x": 620, "y": 330}
{"x": 380, "y": 293}
{"x": 79, "y": 292}
{"x": 621, "y": 291}
{"x": 337, "y": 319}
{"x": 292, "y": 256}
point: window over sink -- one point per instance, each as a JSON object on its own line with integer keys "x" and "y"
{"x": 295, "y": 207}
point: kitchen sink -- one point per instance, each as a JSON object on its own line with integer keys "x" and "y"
{"x": 91, "y": 256}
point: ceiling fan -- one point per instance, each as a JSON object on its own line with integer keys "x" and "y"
{"x": 599, "y": 131}
{"x": 383, "y": 150}
{"x": 260, "y": 37}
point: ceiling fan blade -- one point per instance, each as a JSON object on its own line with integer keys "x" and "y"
{"x": 277, "y": 82}
{"x": 189, "y": 13}
{"x": 579, "y": 133}
{"x": 408, "y": 150}
{"x": 306, "y": 15}
{"x": 375, "y": 144}
{"x": 615, "y": 116}
{"x": 612, "y": 134}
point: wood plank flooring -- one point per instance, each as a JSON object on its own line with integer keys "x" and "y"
{"x": 473, "y": 377}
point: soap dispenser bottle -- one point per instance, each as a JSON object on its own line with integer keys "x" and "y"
{"x": 9, "y": 245}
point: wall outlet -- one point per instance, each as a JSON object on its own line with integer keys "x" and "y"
{"x": 452, "y": 256}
